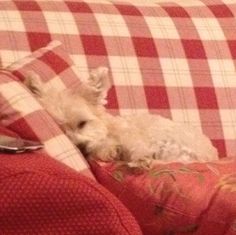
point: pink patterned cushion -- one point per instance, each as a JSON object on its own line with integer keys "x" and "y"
{"x": 21, "y": 112}
{"x": 175, "y": 198}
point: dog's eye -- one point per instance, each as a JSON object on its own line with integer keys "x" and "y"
{"x": 81, "y": 124}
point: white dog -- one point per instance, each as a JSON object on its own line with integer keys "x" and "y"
{"x": 136, "y": 139}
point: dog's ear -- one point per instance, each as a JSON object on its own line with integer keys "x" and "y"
{"x": 34, "y": 84}
{"x": 99, "y": 82}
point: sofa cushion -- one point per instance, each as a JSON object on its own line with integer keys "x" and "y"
{"x": 177, "y": 55}
{"x": 176, "y": 198}
{"x": 39, "y": 195}
{"x": 22, "y": 113}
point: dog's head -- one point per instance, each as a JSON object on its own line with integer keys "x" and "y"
{"x": 79, "y": 111}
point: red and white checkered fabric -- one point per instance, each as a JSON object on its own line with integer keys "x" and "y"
{"x": 51, "y": 63}
{"x": 175, "y": 58}
{"x": 21, "y": 112}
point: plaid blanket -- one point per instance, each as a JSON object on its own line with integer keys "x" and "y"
{"x": 177, "y": 55}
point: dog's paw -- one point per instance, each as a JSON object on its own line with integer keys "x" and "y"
{"x": 142, "y": 163}
{"x": 112, "y": 153}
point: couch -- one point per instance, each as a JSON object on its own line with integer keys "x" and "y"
{"x": 175, "y": 58}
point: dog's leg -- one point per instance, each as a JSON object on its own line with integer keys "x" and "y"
{"x": 107, "y": 151}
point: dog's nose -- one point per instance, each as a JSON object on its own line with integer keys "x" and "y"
{"x": 83, "y": 149}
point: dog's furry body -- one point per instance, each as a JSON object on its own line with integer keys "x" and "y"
{"x": 136, "y": 139}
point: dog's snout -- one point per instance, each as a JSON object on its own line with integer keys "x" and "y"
{"x": 82, "y": 147}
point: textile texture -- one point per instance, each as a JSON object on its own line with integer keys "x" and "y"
{"x": 175, "y": 198}
{"x": 39, "y": 195}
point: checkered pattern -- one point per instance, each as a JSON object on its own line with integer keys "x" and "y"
{"x": 23, "y": 114}
{"x": 51, "y": 63}
{"x": 178, "y": 56}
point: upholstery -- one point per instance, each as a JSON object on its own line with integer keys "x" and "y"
{"x": 39, "y": 195}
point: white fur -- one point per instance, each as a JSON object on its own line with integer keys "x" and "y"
{"x": 137, "y": 139}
